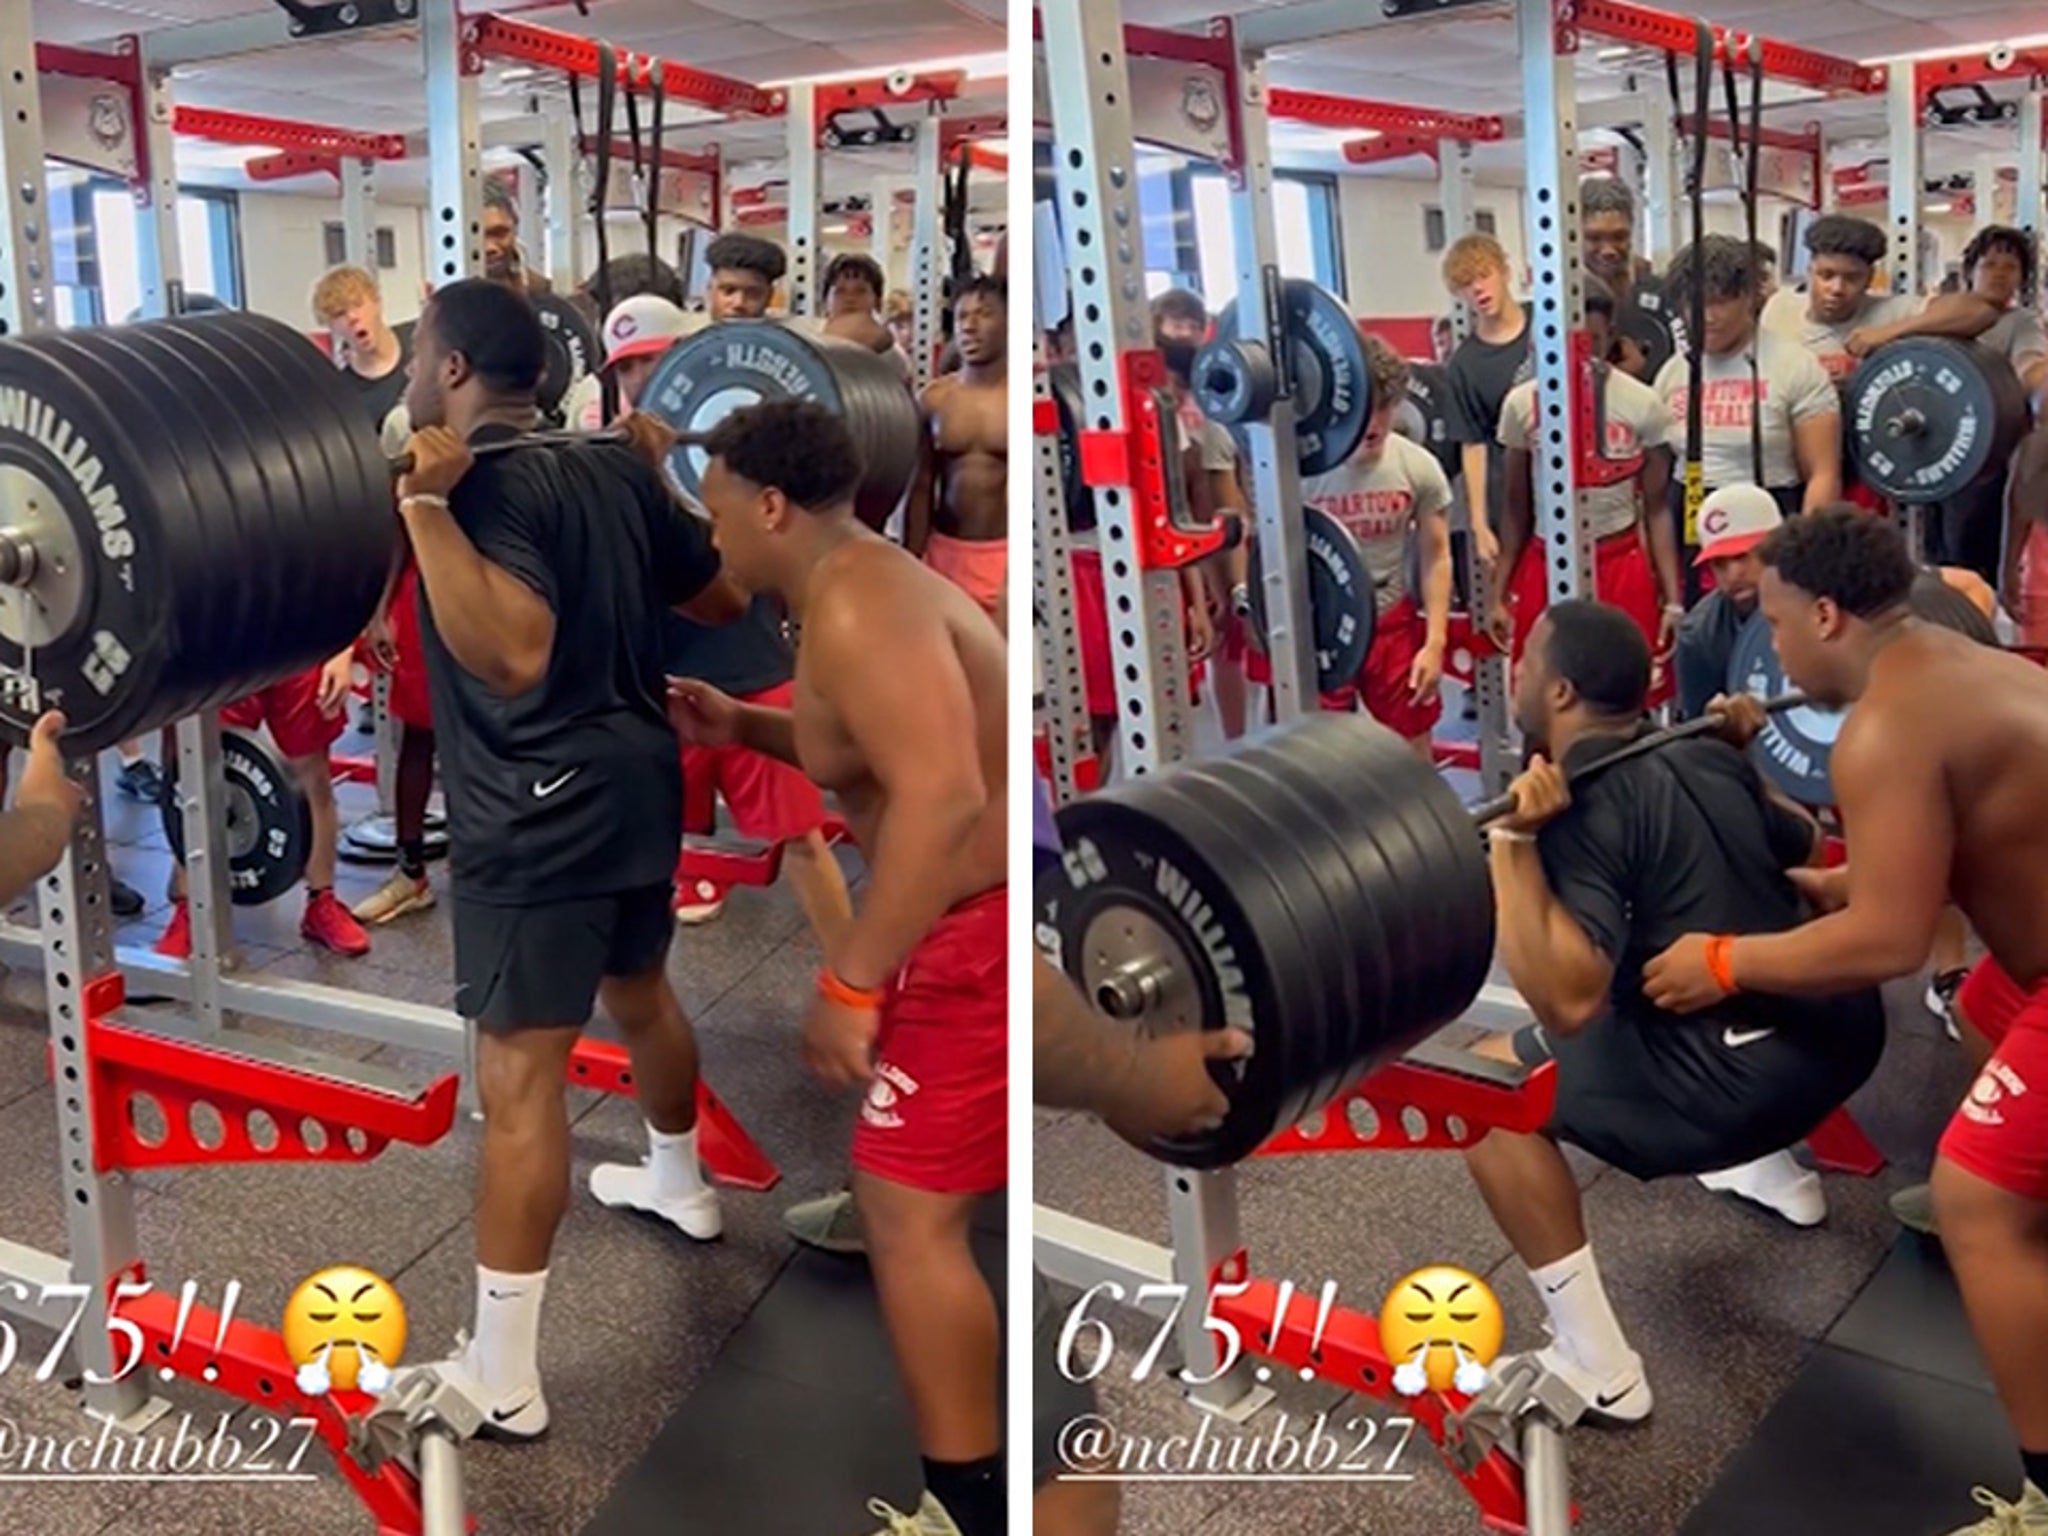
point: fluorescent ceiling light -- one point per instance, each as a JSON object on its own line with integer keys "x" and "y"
{"x": 1964, "y": 50}
{"x": 978, "y": 66}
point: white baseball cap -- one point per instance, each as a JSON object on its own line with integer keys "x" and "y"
{"x": 1734, "y": 520}
{"x": 641, "y": 325}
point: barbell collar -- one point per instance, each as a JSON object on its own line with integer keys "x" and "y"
{"x": 17, "y": 558}
{"x": 1486, "y": 812}
{"x": 1908, "y": 423}
{"x": 1134, "y": 989}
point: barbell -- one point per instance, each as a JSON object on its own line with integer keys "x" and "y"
{"x": 1319, "y": 887}
{"x": 195, "y": 508}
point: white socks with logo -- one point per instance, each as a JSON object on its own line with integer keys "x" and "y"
{"x": 1580, "y": 1316}
{"x": 673, "y": 1161}
{"x": 505, "y": 1354}
{"x": 669, "y": 1184}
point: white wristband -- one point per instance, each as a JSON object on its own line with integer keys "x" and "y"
{"x": 1509, "y": 835}
{"x": 425, "y": 499}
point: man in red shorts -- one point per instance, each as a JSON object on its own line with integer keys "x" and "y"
{"x": 1937, "y": 771}
{"x": 304, "y": 716}
{"x": 1392, "y": 496}
{"x": 911, "y": 1000}
{"x": 1635, "y": 557}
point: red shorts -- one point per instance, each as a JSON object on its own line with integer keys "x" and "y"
{"x": 409, "y": 705}
{"x": 1382, "y": 683}
{"x": 1091, "y": 629}
{"x": 769, "y": 799}
{"x": 292, "y": 711}
{"x": 1621, "y": 577}
{"x": 2001, "y": 1131}
{"x": 935, "y": 1117}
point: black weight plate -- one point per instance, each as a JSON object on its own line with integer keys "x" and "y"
{"x": 1332, "y": 391}
{"x": 1935, "y": 601}
{"x": 1316, "y": 818}
{"x": 1429, "y": 391}
{"x": 68, "y": 425}
{"x": 1343, "y": 605}
{"x": 1793, "y": 747}
{"x": 1929, "y": 417}
{"x": 1127, "y": 860}
{"x": 1657, "y": 334}
{"x": 1063, "y": 382}
{"x": 1409, "y": 876}
{"x": 572, "y": 349}
{"x": 239, "y": 437}
{"x": 1271, "y": 828}
{"x": 269, "y": 825}
{"x": 737, "y": 363}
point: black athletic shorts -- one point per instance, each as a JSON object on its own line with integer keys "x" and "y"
{"x": 526, "y": 967}
{"x": 1670, "y": 1096}
{"x": 1055, "y": 1401}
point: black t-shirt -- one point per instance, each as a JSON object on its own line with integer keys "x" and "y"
{"x": 380, "y": 396}
{"x": 746, "y": 657}
{"x": 1684, "y": 840}
{"x": 1480, "y": 375}
{"x": 571, "y": 789}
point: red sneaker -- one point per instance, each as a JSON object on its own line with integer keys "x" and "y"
{"x": 175, "y": 943}
{"x": 329, "y": 925}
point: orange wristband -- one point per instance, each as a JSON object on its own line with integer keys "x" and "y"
{"x": 1721, "y": 961}
{"x": 845, "y": 993}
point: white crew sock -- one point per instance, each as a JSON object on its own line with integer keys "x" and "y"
{"x": 673, "y": 1161}
{"x": 505, "y": 1354}
{"x": 1580, "y": 1315}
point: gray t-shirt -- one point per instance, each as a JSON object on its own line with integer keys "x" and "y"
{"x": 1788, "y": 316}
{"x": 2017, "y": 334}
{"x": 1795, "y": 388}
{"x": 1380, "y": 503}
{"x": 1636, "y": 419}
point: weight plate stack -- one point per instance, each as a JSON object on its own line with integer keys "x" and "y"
{"x": 204, "y": 511}
{"x": 738, "y": 363}
{"x": 1929, "y": 417}
{"x": 1343, "y": 606}
{"x": 1793, "y": 748}
{"x": 572, "y": 348}
{"x": 1429, "y": 391}
{"x": 1326, "y": 354}
{"x": 269, "y": 824}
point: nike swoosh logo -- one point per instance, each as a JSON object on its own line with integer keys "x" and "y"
{"x": 501, "y": 1415}
{"x": 1735, "y": 1039}
{"x": 542, "y": 791}
{"x": 1552, "y": 1290}
{"x": 1605, "y": 1400}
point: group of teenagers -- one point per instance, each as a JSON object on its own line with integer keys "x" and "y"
{"x": 567, "y": 640}
{"x": 1704, "y": 989}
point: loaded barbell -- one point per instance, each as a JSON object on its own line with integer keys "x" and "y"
{"x": 1318, "y": 887}
{"x": 1928, "y": 417}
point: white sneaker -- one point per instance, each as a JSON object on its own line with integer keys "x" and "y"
{"x": 630, "y": 1186}
{"x": 698, "y": 902}
{"x": 1778, "y": 1183}
{"x": 514, "y": 1417}
{"x": 1621, "y": 1398}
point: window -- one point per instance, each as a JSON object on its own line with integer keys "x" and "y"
{"x": 95, "y": 230}
{"x": 335, "y": 239}
{"x": 1191, "y": 234}
{"x": 1433, "y": 234}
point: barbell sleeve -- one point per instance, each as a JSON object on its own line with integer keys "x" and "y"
{"x": 1487, "y": 812}
{"x": 401, "y": 464}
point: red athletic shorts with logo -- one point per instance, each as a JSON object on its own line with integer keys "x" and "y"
{"x": 935, "y": 1117}
{"x": 769, "y": 799}
{"x": 2001, "y": 1131}
{"x": 409, "y": 705}
{"x": 1621, "y": 576}
{"x": 291, "y": 709}
{"x": 1382, "y": 683}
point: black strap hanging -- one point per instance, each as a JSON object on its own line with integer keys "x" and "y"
{"x": 1748, "y": 147}
{"x": 1696, "y": 301}
{"x": 654, "y": 87}
{"x": 600, "y": 282}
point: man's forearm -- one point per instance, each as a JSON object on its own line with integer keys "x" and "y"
{"x": 1436, "y": 589}
{"x": 1076, "y": 1054}
{"x": 1948, "y": 314}
{"x": 1841, "y": 952}
{"x": 918, "y": 840}
{"x": 457, "y": 581}
{"x": 32, "y": 840}
{"x": 1532, "y": 931}
{"x": 1472, "y": 459}
{"x": 769, "y": 731}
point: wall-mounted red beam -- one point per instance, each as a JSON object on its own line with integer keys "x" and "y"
{"x": 899, "y": 90}
{"x": 496, "y": 37}
{"x": 283, "y": 133}
{"x": 705, "y": 161}
{"x": 1385, "y": 116}
{"x": 1663, "y": 30}
{"x": 1389, "y": 146}
{"x": 1931, "y": 75}
{"x": 1218, "y": 50}
{"x": 955, "y": 131}
{"x": 118, "y": 68}
{"x": 287, "y": 163}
